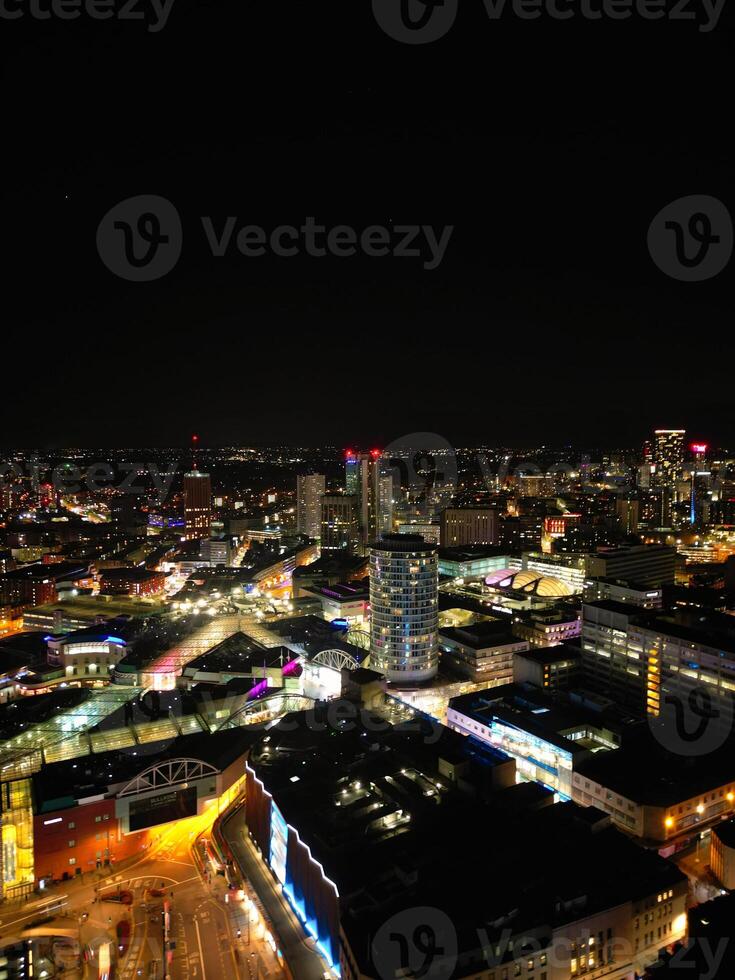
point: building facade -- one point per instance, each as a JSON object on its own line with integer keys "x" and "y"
{"x": 648, "y": 660}
{"x": 340, "y": 528}
{"x": 404, "y": 590}
{"x": 468, "y": 526}
{"x": 197, "y": 504}
{"x": 310, "y": 488}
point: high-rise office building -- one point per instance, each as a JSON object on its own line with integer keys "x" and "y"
{"x": 339, "y": 523}
{"x": 468, "y": 526}
{"x": 197, "y": 504}
{"x": 668, "y": 471}
{"x": 628, "y": 514}
{"x": 385, "y": 504}
{"x": 373, "y": 488}
{"x": 404, "y": 590}
{"x": 700, "y": 505}
{"x": 668, "y": 456}
{"x": 644, "y": 659}
{"x": 309, "y": 492}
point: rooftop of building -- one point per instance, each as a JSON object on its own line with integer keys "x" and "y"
{"x": 12, "y": 663}
{"x": 392, "y": 833}
{"x": 525, "y": 707}
{"x": 553, "y": 655}
{"x": 342, "y": 591}
{"x": 626, "y": 550}
{"x": 88, "y": 607}
{"x": 63, "y": 784}
{"x": 135, "y": 574}
{"x": 363, "y": 675}
{"x": 23, "y": 714}
{"x": 478, "y": 636}
{"x": 51, "y": 571}
{"x": 118, "y": 628}
{"x": 726, "y": 832}
{"x": 332, "y": 564}
{"x": 403, "y": 544}
{"x": 712, "y": 629}
{"x": 240, "y": 653}
{"x": 622, "y": 583}
{"x": 528, "y": 582}
{"x": 566, "y": 613}
{"x": 465, "y": 553}
{"x": 613, "y": 606}
{"x": 29, "y": 646}
{"x": 644, "y": 771}
{"x": 547, "y": 714}
{"x": 315, "y": 634}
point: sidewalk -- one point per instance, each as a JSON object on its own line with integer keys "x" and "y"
{"x": 299, "y": 959}
{"x": 73, "y": 888}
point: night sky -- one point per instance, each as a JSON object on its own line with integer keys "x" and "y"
{"x": 548, "y": 145}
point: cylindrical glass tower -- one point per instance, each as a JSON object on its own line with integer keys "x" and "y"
{"x": 404, "y": 588}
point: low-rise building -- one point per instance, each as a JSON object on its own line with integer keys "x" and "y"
{"x": 344, "y": 601}
{"x": 92, "y": 652}
{"x": 79, "y": 612}
{"x": 405, "y": 828}
{"x": 548, "y": 739}
{"x": 482, "y": 651}
{"x": 143, "y": 582}
{"x": 656, "y": 795}
{"x": 554, "y": 668}
{"x": 95, "y": 811}
{"x": 471, "y": 562}
{"x": 547, "y": 627}
{"x": 722, "y": 854}
{"x": 597, "y": 589}
{"x": 215, "y": 551}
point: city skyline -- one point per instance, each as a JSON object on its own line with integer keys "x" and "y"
{"x": 367, "y": 491}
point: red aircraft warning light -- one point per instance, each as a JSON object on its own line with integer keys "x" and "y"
{"x": 699, "y": 447}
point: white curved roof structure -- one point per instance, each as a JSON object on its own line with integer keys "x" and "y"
{"x": 533, "y": 583}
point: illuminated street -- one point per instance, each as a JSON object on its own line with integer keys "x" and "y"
{"x": 204, "y": 915}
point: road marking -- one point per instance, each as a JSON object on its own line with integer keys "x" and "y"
{"x": 199, "y": 941}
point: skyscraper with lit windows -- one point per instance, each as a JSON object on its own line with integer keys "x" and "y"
{"x": 310, "y": 489}
{"x": 404, "y": 603}
{"x": 373, "y": 491}
{"x": 668, "y": 456}
{"x": 197, "y": 504}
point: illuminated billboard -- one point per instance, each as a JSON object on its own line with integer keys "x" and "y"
{"x": 279, "y": 844}
{"x": 155, "y": 810}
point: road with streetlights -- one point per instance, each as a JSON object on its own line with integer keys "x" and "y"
{"x": 298, "y": 949}
{"x": 204, "y": 917}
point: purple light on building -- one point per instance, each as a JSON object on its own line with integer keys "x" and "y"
{"x": 258, "y": 690}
